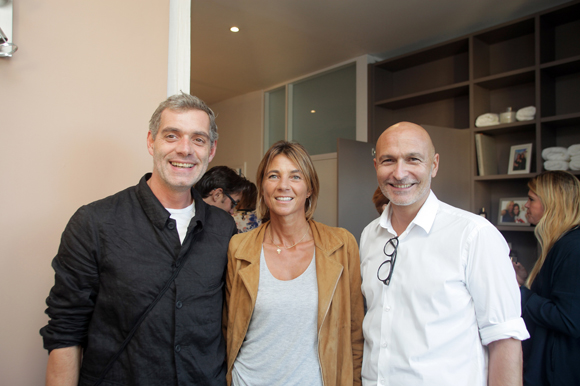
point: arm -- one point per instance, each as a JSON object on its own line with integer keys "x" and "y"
{"x": 71, "y": 299}
{"x": 492, "y": 284}
{"x": 63, "y": 366}
{"x": 357, "y": 308}
{"x": 521, "y": 273}
{"x": 505, "y": 363}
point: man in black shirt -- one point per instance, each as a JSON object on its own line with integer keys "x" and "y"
{"x": 138, "y": 291}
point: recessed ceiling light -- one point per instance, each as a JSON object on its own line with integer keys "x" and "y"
{"x": 312, "y": 111}
{"x": 234, "y": 29}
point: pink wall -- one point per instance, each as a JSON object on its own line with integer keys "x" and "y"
{"x": 74, "y": 107}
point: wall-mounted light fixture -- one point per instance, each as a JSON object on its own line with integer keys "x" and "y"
{"x": 6, "y": 48}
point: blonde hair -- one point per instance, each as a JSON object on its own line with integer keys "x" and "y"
{"x": 299, "y": 156}
{"x": 559, "y": 193}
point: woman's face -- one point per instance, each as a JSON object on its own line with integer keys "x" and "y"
{"x": 284, "y": 186}
{"x": 516, "y": 210}
{"x": 535, "y": 209}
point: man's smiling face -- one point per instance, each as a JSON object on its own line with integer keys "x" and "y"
{"x": 405, "y": 163}
{"x": 181, "y": 149}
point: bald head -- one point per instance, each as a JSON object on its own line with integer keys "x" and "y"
{"x": 406, "y": 130}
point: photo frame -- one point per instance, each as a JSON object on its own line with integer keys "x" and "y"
{"x": 512, "y": 211}
{"x": 520, "y": 159}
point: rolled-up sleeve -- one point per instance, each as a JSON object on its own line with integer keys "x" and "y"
{"x": 72, "y": 298}
{"x": 493, "y": 287}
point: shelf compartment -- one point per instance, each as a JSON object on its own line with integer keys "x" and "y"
{"x": 444, "y": 110}
{"x": 505, "y": 128}
{"x": 495, "y": 94}
{"x": 559, "y": 31}
{"x": 562, "y": 120}
{"x": 562, "y": 132}
{"x": 504, "y": 49}
{"x": 489, "y": 192}
{"x": 560, "y": 87}
{"x": 428, "y": 96}
{"x": 504, "y": 140}
{"x": 443, "y": 65}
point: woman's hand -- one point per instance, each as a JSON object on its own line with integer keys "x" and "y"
{"x": 521, "y": 273}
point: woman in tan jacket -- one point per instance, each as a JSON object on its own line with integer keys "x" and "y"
{"x": 294, "y": 303}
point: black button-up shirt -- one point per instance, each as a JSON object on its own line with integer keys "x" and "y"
{"x": 114, "y": 258}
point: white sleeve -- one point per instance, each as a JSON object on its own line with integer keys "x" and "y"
{"x": 491, "y": 281}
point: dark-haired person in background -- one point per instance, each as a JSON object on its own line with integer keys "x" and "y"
{"x": 221, "y": 186}
{"x": 245, "y": 214}
{"x": 551, "y": 293}
{"x": 380, "y": 200}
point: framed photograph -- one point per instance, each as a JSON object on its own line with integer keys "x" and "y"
{"x": 512, "y": 211}
{"x": 520, "y": 159}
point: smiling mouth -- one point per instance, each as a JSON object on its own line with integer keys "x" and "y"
{"x": 402, "y": 186}
{"x": 283, "y": 198}
{"x": 182, "y": 165}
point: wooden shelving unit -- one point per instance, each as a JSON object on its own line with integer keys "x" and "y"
{"x": 532, "y": 61}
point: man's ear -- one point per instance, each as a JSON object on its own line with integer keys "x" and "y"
{"x": 435, "y": 166}
{"x": 212, "y": 152}
{"x": 216, "y": 194}
{"x": 150, "y": 141}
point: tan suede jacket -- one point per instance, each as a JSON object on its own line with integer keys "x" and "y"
{"x": 340, "y": 301}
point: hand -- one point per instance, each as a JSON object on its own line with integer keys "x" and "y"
{"x": 521, "y": 273}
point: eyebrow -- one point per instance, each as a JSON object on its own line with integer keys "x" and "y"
{"x": 278, "y": 171}
{"x": 176, "y": 130}
{"x": 408, "y": 155}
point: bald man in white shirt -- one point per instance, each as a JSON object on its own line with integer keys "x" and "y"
{"x": 443, "y": 301}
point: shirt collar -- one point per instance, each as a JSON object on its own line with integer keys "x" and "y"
{"x": 155, "y": 211}
{"x": 424, "y": 218}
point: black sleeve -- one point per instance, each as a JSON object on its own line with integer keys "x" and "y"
{"x": 72, "y": 298}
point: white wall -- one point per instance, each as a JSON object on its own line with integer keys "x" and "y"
{"x": 240, "y": 122}
{"x": 74, "y": 107}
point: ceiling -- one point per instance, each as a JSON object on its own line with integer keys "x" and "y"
{"x": 280, "y": 40}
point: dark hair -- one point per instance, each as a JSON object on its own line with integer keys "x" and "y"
{"x": 299, "y": 156}
{"x": 249, "y": 197}
{"x": 182, "y": 103}
{"x": 379, "y": 200}
{"x": 220, "y": 177}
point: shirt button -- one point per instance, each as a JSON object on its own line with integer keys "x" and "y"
{"x": 179, "y": 304}
{"x": 387, "y": 308}
{"x": 171, "y": 225}
{"x": 177, "y": 348}
{"x": 383, "y": 382}
{"x": 383, "y": 344}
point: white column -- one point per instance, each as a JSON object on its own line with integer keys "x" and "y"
{"x": 179, "y": 64}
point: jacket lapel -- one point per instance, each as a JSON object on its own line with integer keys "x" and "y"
{"x": 249, "y": 255}
{"x": 326, "y": 244}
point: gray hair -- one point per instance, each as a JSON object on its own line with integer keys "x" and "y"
{"x": 183, "y": 102}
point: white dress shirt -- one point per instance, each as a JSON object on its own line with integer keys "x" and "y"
{"x": 452, "y": 292}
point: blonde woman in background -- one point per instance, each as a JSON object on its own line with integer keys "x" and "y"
{"x": 551, "y": 293}
{"x": 293, "y": 287}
